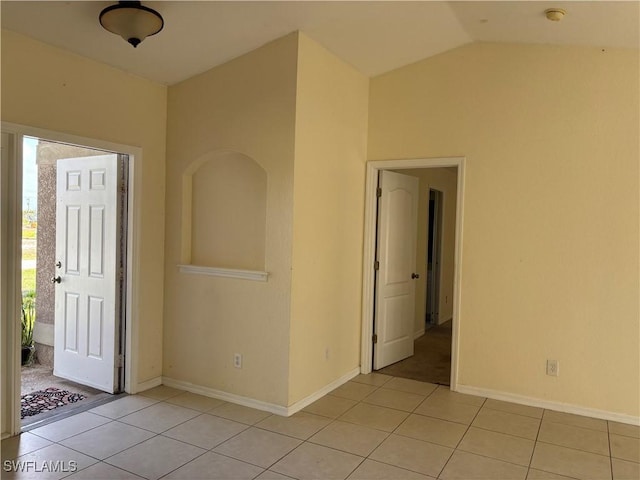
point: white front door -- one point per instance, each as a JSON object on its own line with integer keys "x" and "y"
{"x": 87, "y": 273}
{"x": 396, "y": 256}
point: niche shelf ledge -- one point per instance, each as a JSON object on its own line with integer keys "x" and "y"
{"x": 225, "y": 272}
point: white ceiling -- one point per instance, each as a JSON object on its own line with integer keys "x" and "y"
{"x": 373, "y": 36}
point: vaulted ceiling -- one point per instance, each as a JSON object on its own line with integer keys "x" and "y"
{"x": 373, "y": 36}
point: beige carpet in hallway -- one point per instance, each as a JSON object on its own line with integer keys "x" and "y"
{"x": 431, "y": 361}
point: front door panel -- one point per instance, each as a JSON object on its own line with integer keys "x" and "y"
{"x": 87, "y": 288}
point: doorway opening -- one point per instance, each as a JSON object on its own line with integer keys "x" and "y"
{"x": 99, "y": 247}
{"x": 433, "y": 305}
{"x": 70, "y": 235}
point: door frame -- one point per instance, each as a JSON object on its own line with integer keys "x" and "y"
{"x": 9, "y": 278}
{"x": 436, "y": 233}
{"x": 369, "y": 252}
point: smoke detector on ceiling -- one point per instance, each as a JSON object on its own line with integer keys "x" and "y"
{"x": 554, "y": 14}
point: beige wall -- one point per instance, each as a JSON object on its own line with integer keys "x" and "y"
{"x": 48, "y": 88}
{"x": 328, "y": 212}
{"x": 550, "y": 261}
{"x": 246, "y": 106}
{"x": 445, "y": 181}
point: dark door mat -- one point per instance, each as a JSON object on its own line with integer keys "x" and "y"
{"x": 51, "y": 416}
{"x": 46, "y": 400}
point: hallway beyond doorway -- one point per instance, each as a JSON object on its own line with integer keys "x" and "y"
{"x": 431, "y": 361}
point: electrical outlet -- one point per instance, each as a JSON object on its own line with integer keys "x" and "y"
{"x": 553, "y": 367}
{"x": 237, "y": 360}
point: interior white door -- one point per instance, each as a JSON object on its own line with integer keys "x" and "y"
{"x": 87, "y": 274}
{"x": 396, "y": 256}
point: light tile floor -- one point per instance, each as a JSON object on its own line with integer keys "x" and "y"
{"x": 374, "y": 427}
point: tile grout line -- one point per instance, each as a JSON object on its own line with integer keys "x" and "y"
{"x": 302, "y": 441}
{"x": 555, "y": 422}
{"x": 368, "y": 457}
{"x": 334, "y": 420}
{"x": 200, "y": 413}
{"x": 393, "y": 432}
{"x": 462, "y": 437}
{"x": 155, "y": 435}
{"x": 535, "y": 443}
{"x": 538, "y": 441}
{"x": 610, "y": 450}
{"x": 186, "y": 443}
{"x": 500, "y": 433}
{"x": 70, "y": 436}
{"x": 388, "y": 434}
{"x": 481, "y": 406}
{"x": 124, "y": 469}
{"x": 98, "y": 460}
{"x": 184, "y": 464}
{"x": 485, "y": 429}
{"x": 574, "y": 449}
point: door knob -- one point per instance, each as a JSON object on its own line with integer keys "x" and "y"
{"x": 415, "y": 275}
{"x": 56, "y": 279}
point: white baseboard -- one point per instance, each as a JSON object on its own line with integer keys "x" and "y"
{"x": 305, "y": 402}
{"x": 258, "y": 404}
{"x": 149, "y": 384}
{"x": 418, "y": 334}
{"x": 226, "y": 396}
{"x": 548, "y": 404}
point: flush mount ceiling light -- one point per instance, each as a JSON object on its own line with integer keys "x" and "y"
{"x": 132, "y": 21}
{"x": 554, "y": 14}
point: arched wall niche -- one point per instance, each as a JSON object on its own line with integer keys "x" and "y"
{"x": 224, "y": 215}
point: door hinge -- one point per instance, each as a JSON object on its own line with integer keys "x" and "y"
{"x": 378, "y": 192}
{"x": 376, "y": 265}
{"x": 375, "y": 338}
{"x": 119, "y": 361}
